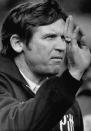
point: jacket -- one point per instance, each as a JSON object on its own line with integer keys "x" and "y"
{"x": 54, "y": 102}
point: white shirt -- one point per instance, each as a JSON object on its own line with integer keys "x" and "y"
{"x": 33, "y": 86}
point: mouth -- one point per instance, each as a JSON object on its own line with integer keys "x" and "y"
{"x": 57, "y": 57}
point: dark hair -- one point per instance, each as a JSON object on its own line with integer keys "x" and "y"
{"x": 24, "y": 18}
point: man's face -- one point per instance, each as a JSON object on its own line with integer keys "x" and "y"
{"x": 47, "y": 49}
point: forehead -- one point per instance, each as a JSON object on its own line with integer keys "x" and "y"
{"x": 56, "y": 27}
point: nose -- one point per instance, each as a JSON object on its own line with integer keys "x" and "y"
{"x": 60, "y": 44}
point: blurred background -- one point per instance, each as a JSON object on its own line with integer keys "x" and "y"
{"x": 81, "y": 11}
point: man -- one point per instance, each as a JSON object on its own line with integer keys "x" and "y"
{"x": 41, "y": 66}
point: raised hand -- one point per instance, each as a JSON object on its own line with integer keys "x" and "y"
{"x": 78, "y": 54}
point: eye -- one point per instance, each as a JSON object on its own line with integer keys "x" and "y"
{"x": 62, "y": 37}
{"x": 50, "y": 36}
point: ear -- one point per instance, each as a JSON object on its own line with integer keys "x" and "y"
{"x": 16, "y": 43}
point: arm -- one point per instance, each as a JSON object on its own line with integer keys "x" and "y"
{"x": 52, "y": 100}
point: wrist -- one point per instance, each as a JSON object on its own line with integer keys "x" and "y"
{"x": 76, "y": 74}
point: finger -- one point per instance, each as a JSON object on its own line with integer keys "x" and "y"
{"x": 84, "y": 46}
{"x": 70, "y": 26}
{"x": 80, "y": 33}
{"x": 74, "y": 36}
{"x": 66, "y": 27}
{"x": 76, "y": 33}
{"x": 68, "y": 50}
{"x": 82, "y": 41}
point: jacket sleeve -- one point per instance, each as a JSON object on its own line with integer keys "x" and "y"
{"x": 42, "y": 113}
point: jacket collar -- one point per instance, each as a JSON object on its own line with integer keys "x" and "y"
{"x": 8, "y": 67}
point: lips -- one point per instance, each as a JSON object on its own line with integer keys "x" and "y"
{"x": 57, "y": 57}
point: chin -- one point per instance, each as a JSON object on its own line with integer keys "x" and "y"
{"x": 57, "y": 71}
{"x": 51, "y": 70}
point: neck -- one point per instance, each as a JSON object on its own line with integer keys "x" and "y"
{"x": 23, "y": 67}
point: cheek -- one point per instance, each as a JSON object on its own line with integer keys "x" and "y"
{"x": 40, "y": 55}
{"x": 42, "y": 52}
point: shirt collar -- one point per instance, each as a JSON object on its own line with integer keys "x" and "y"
{"x": 33, "y": 86}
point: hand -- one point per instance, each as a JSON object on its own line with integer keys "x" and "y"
{"x": 78, "y": 56}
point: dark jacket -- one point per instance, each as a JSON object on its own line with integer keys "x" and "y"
{"x": 84, "y": 100}
{"x": 22, "y": 110}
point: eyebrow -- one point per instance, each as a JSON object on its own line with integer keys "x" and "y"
{"x": 49, "y": 35}
{"x": 52, "y": 35}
